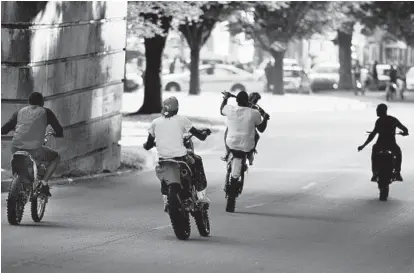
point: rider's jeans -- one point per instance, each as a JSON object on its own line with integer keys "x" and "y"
{"x": 394, "y": 148}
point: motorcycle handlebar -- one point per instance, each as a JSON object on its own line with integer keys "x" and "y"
{"x": 397, "y": 133}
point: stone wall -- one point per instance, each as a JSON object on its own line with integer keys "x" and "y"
{"x": 74, "y": 54}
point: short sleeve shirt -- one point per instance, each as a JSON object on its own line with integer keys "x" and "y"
{"x": 169, "y": 133}
{"x": 241, "y": 124}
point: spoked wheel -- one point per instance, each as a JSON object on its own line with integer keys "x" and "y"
{"x": 180, "y": 219}
{"x": 38, "y": 207}
{"x": 15, "y": 202}
{"x": 203, "y": 222}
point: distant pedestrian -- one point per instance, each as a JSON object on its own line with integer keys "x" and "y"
{"x": 268, "y": 73}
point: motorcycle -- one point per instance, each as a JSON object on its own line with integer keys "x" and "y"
{"x": 26, "y": 186}
{"x": 234, "y": 189}
{"x": 386, "y": 174}
{"x": 174, "y": 174}
{"x": 391, "y": 92}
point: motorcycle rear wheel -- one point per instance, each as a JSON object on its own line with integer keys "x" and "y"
{"x": 15, "y": 202}
{"x": 180, "y": 219}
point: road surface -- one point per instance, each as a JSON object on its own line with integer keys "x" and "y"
{"x": 307, "y": 206}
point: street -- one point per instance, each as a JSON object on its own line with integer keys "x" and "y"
{"x": 308, "y": 206}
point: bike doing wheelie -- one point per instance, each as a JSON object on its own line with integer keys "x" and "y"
{"x": 176, "y": 175}
{"x": 242, "y": 121}
{"x": 26, "y": 185}
{"x": 386, "y": 164}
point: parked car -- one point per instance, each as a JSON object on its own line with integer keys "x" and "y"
{"x": 295, "y": 80}
{"x": 215, "y": 77}
{"x": 260, "y": 70}
{"x": 410, "y": 79}
{"x": 383, "y": 78}
{"x": 324, "y": 76}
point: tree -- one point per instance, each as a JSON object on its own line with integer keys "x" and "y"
{"x": 274, "y": 24}
{"x": 197, "y": 34}
{"x": 152, "y": 20}
{"x": 343, "y": 18}
{"x": 396, "y": 17}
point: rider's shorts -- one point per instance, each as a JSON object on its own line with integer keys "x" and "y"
{"x": 42, "y": 154}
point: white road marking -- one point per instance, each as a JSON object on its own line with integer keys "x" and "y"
{"x": 255, "y": 205}
{"x": 308, "y": 186}
{"x": 161, "y": 227}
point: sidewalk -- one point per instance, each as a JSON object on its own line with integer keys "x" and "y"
{"x": 207, "y": 104}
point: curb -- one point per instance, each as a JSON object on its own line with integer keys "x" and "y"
{"x": 5, "y": 184}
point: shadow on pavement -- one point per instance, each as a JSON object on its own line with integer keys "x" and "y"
{"x": 299, "y": 217}
{"x": 195, "y": 238}
{"x": 45, "y": 225}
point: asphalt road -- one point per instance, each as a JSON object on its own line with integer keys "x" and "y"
{"x": 308, "y": 206}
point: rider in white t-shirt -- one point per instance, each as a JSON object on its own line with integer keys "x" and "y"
{"x": 168, "y": 131}
{"x": 242, "y": 122}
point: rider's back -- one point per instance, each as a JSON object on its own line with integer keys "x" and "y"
{"x": 168, "y": 133}
{"x": 241, "y": 124}
{"x": 30, "y": 128}
{"x": 386, "y": 127}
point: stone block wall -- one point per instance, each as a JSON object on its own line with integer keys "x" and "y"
{"x": 74, "y": 54}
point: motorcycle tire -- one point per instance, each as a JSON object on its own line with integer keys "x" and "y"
{"x": 15, "y": 202}
{"x": 203, "y": 222}
{"x": 180, "y": 219}
{"x": 384, "y": 192}
{"x": 231, "y": 203}
{"x": 38, "y": 207}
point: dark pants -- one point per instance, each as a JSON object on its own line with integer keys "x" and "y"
{"x": 199, "y": 177}
{"x": 256, "y": 140}
{"x": 395, "y": 150}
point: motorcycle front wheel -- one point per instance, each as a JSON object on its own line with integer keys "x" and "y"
{"x": 180, "y": 219}
{"x": 38, "y": 207}
{"x": 203, "y": 222}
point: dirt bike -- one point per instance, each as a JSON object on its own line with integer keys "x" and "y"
{"x": 391, "y": 92}
{"x": 175, "y": 174}
{"x": 386, "y": 174}
{"x": 26, "y": 186}
{"x": 234, "y": 189}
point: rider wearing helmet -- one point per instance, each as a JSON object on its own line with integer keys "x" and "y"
{"x": 168, "y": 131}
{"x": 29, "y": 124}
{"x": 253, "y": 99}
{"x": 385, "y": 128}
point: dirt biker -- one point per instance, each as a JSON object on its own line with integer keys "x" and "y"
{"x": 168, "y": 132}
{"x": 242, "y": 122}
{"x": 29, "y": 124}
{"x": 385, "y": 128}
{"x": 253, "y": 99}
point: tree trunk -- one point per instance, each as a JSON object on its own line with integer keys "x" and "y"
{"x": 276, "y": 78}
{"x": 345, "y": 61}
{"x": 194, "y": 72}
{"x": 154, "y": 48}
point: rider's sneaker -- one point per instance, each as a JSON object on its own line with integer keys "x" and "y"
{"x": 46, "y": 190}
{"x": 202, "y": 197}
{"x": 398, "y": 177}
{"x": 165, "y": 200}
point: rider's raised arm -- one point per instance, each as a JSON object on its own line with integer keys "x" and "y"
{"x": 10, "y": 124}
{"x": 401, "y": 127}
{"x": 222, "y": 107}
{"x": 53, "y": 121}
{"x": 261, "y": 124}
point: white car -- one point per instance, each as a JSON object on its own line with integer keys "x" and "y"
{"x": 410, "y": 79}
{"x": 217, "y": 78}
